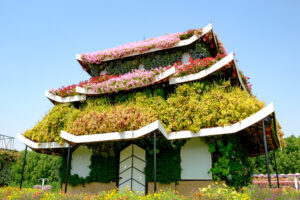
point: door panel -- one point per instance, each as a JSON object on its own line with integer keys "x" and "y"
{"x": 132, "y": 165}
{"x": 138, "y": 176}
{"x": 139, "y": 164}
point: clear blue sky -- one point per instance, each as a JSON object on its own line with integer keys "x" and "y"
{"x": 39, "y": 41}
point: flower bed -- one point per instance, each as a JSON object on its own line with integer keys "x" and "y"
{"x": 162, "y": 42}
{"x": 135, "y": 79}
{"x": 64, "y": 91}
{"x": 159, "y": 43}
{"x": 195, "y": 66}
{"x": 71, "y": 89}
{"x": 212, "y": 192}
{"x": 96, "y": 80}
{"x": 7, "y": 156}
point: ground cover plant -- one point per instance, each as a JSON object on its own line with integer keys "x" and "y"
{"x": 212, "y": 192}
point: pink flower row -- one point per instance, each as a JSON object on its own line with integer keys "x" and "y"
{"x": 162, "y": 42}
{"x": 64, "y": 91}
{"x": 135, "y": 79}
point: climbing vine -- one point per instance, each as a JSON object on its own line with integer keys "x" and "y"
{"x": 103, "y": 169}
{"x": 230, "y": 160}
{"x": 168, "y": 159}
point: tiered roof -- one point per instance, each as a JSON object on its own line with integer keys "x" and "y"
{"x": 219, "y": 65}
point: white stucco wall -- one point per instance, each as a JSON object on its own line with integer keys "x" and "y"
{"x": 81, "y": 161}
{"x": 195, "y": 160}
{"x": 185, "y": 58}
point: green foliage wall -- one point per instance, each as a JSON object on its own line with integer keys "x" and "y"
{"x": 37, "y": 166}
{"x": 168, "y": 166}
{"x": 103, "y": 169}
{"x": 231, "y": 162}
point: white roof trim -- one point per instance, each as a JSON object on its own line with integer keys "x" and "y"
{"x": 220, "y": 64}
{"x": 44, "y": 145}
{"x": 157, "y": 78}
{"x": 179, "y": 44}
{"x": 115, "y": 135}
{"x": 59, "y": 99}
{"x": 234, "y": 128}
{"x": 238, "y": 74}
{"x": 203, "y": 73}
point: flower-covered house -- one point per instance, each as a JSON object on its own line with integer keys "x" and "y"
{"x": 167, "y": 112}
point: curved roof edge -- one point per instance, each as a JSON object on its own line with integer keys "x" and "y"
{"x": 234, "y": 128}
{"x": 57, "y": 99}
{"x": 220, "y": 64}
{"x": 181, "y": 43}
{"x": 43, "y": 145}
{"x": 157, "y": 78}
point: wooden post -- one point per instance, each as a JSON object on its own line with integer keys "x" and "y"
{"x": 24, "y": 162}
{"x": 266, "y": 152}
{"x": 68, "y": 167}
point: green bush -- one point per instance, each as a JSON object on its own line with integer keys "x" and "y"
{"x": 288, "y": 159}
{"x": 37, "y": 166}
{"x": 48, "y": 129}
{"x": 190, "y": 106}
{"x": 198, "y": 105}
{"x": 5, "y": 174}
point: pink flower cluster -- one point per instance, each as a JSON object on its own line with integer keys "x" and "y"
{"x": 195, "y": 66}
{"x": 65, "y": 91}
{"x": 249, "y": 85}
{"x": 135, "y": 79}
{"x": 162, "y": 42}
